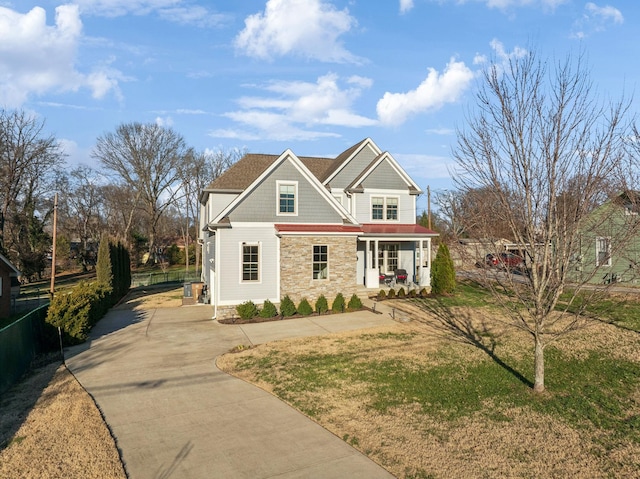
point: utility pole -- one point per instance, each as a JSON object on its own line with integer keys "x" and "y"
{"x": 53, "y": 252}
{"x": 429, "y": 206}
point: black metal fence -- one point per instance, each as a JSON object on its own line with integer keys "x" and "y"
{"x": 148, "y": 279}
{"x": 21, "y": 341}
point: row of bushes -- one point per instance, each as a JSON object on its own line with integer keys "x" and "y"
{"x": 249, "y": 310}
{"x": 78, "y": 311}
{"x": 401, "y": 293}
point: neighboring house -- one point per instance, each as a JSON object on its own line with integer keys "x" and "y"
{"x": 610, "y": 243}
{"x": 9, "y": 285}
{"x": 300, "y": 226}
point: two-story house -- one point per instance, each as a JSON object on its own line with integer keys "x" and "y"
{"x": 276, "y": 225}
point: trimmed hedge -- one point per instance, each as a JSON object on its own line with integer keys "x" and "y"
{"x": 268, "y": 310}
{"x": 322, "y": 306}
{"x": 247, "y": 310}
{"x": 304, "y": 308}
{"x": 338, "y": 304}
{"x": 287, "y": 307}
{"x": 355, "y": 302}
{"x": 77, "y": 312}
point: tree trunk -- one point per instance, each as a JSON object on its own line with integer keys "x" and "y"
{"x": 538, "y": 365}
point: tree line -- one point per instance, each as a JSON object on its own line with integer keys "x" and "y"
{"x": 143, "y": 192}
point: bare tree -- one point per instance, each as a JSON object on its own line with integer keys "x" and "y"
{"x": 80, "y": 205}
{"x": 544, "y": 148}
{"x": 145, "y": 158}
{"x": 28, "y": 159}
{"x": 196, "y": 174}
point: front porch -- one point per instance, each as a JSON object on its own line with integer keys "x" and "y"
{"x": 383, "y": 250}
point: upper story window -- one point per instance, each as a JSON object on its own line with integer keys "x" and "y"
{"x": 392, "y": 208}
{"x": 287, "y": 198}
{"x": 384, "y": 208}
{"x": 377, "y": 208}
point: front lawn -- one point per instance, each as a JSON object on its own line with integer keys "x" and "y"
{"x": 436, "y": 398}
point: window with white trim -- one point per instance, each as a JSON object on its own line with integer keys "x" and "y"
{"x": 384, "y": 208}
{"x": 392, "y": 209}
{"x": 250, "y": 262}
{"x": 603, "y": 251}
{"x": 320, "y": 262}
{"x": 287, "y": 198}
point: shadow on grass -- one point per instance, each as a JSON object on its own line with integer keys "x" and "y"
{"x": 459, "y": 325}
{"x": 17, "y": 402}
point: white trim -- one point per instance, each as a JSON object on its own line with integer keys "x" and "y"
{"x": 279, "y": 184}
{"x": 365, "y": 142}
{"x": 241, "y": 245}
{"x": 319, "y": 262}
{"x": 598, "y": 250}
{"x": 318, "y": 233}
{"x": 305, "y": 172}
{"x": 386, "y": 156}
{"x": 384, "y": 209}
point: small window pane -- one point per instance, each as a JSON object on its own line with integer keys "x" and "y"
{"x": 377, "y": 208}
{"x": 287, "y": 198}
{"x": 250, "y": 265}
{"x": 392, "y": 208}
{"x": 320, "y": 262}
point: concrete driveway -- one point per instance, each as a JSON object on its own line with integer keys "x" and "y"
{"x": 175, "y": 415}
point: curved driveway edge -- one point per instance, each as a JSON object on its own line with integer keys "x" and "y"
{"x": 176, "y": 415}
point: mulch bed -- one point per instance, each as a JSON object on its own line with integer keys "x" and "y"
{"x": 258, "y": 319}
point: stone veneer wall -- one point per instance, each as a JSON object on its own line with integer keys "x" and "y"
{"x": 296, "y": 268}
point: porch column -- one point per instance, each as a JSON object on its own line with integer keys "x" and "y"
{"x": 425, "y": 264}
{"x": 371, "y": 278}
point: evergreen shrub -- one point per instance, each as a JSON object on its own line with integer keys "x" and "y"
{"x": 287, "y": 307}
{"x": 304, "y": 308}
{"x": 338, "y": 304}
{"x": 247, "y": 310}
{"x": 322, "y": 306}
{"x": 268, "y": 310}
{"x": 355, "y": 302}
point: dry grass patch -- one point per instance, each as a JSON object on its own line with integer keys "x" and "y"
{"x": 441, "y": 397}
{"x": 62, "y": 435}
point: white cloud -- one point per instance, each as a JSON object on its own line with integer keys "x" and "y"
{"x": 406, "y": 5}
{"x": 596, "y": 19}
{"x": 314, "y": 34}
{"x": 294, "y": 109}
{"x": 433, "y": 93}
{"x": 36, "y": 58}
{"x": 177, "y": 11}
{"x": 166, "y": 121}
{"x": 441, "y": 131}
{"x": 506, "y": 4}
{"x": 117, "y": 8}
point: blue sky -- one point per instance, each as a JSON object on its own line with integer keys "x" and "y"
{"x": 315, "y": 76}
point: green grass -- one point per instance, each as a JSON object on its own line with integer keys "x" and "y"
{"x": 594, "y": 392}
{"x": 467, "y": 294}
{"x": 624, "y": 313}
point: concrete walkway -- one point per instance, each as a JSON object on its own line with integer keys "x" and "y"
{"x": 175, "y": 415}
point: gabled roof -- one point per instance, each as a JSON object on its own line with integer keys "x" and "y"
{"x": 242, "y": 173}
{"x": 356, "y": 184}
{"x": 266, "y": 165}
{"x": 346, "y": 156}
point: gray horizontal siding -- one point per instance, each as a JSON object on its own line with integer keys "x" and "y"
{"x": 261, "y": 205}
{"x": 384, "y": 176}
{"x": 231, "y": 288}
{"x": 354, "y": 168}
